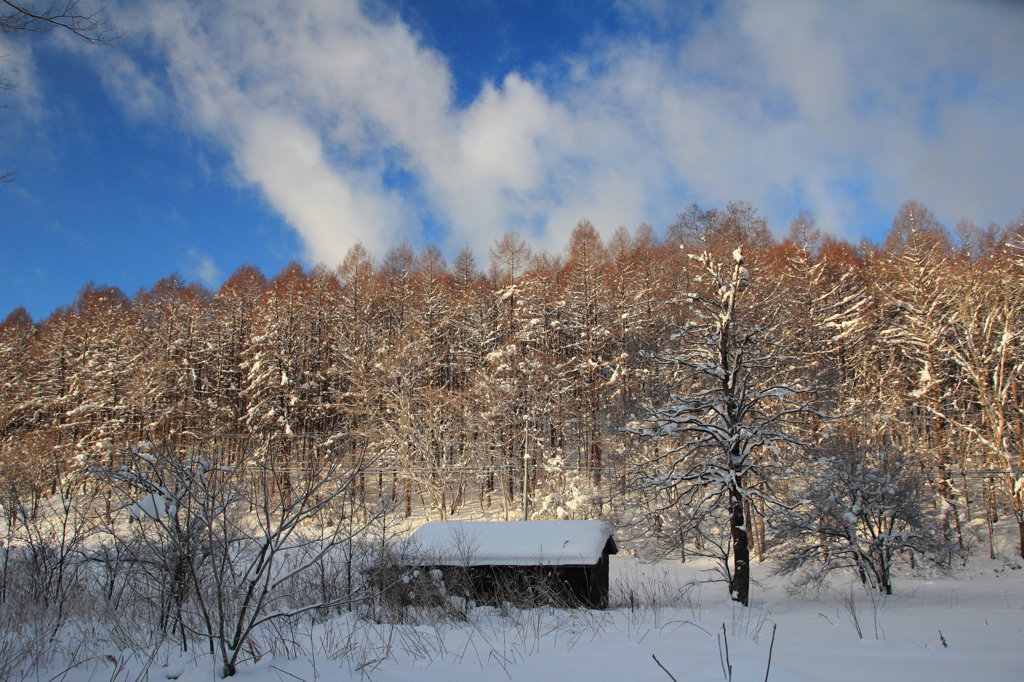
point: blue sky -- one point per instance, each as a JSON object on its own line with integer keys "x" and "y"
{"x": 231, "y": 132}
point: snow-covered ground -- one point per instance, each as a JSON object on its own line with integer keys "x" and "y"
{"x": 966, "y": 627}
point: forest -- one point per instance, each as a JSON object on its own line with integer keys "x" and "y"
{"x": 712, "y": 391}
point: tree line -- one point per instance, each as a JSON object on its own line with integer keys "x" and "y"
{"x": 446, "y": 375}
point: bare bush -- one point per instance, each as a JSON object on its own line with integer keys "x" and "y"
{"x": 234, "y": 541}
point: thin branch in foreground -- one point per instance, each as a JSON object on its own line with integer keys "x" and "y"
{"x": 770, "y": 647}
{"x": 664, "y": 668}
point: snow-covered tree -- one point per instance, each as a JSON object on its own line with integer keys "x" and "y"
{"x": 170, "y": 386}
{"x": 234, "y": 306}
{"x": 586, "y": 331}
{"x": 725, "y": 427}
{"x": 858, "y": 507}
{"x": 17, "y": 333}
{"x": 509, "y": 259}
{"x": 100, "y": 381}
{"x": 469, "y": 319}
{"x": 291, "y": 357}
{"x": 983, "y": 340}
{"x": 915, "y": 296}
{"x": 359, "y": 345}
{"x": 639, "y": 309}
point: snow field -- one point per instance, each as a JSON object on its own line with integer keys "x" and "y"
{"x": 664, "y": 610}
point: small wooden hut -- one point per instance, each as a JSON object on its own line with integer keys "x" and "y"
{"x": 523, "y": 562}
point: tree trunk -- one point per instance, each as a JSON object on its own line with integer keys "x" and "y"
{"x": 739, "y": 587}
{"x": 886, "y": 571}
{"x": 408, "y": 498}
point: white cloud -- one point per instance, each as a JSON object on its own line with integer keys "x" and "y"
{"x": 843, "y": 108}
{"x": 17, "y": 73}
{"x": 198, "y": 265}
{"x": 122, "y": 78}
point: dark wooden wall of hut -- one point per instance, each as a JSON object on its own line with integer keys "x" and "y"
{"x": 569, "y": 586}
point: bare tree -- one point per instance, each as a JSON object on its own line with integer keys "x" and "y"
{"x": 83, "y": 19}
{"x": 239, "y": 538}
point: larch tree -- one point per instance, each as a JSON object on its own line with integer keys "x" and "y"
{"x": 400, "y": 371}
{"x": 359, "y": 345}
{"x": 234, "y": 306}
{"x": 824, "y": 306}
{"x": 510, "y": 258}
{"x": 280, "y": 375}
{"x": 551, "y": 424}
{"x": 983, "y": 339}
{"x": 38, "y": 446}
{"x": 800, "y": 271}
{"x": 470, "y": 318}
{"x": 587, "y": 328}
{"x": 102, "y": 419}
{"x": 636, "y": 282}
{"x": 915, "y": 301}
{"x": 843, "y": 304}
{"x": 170, "y": 388}
{"x": 506, "y": 382}
{"x": 17, "y": 337}
{"x": 324, "y": 376}
{"x": 429, "y": 417}
{"x": 16, "y": 334}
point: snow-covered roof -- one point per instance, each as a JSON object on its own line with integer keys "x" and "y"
{"x": 513, "y": 543}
